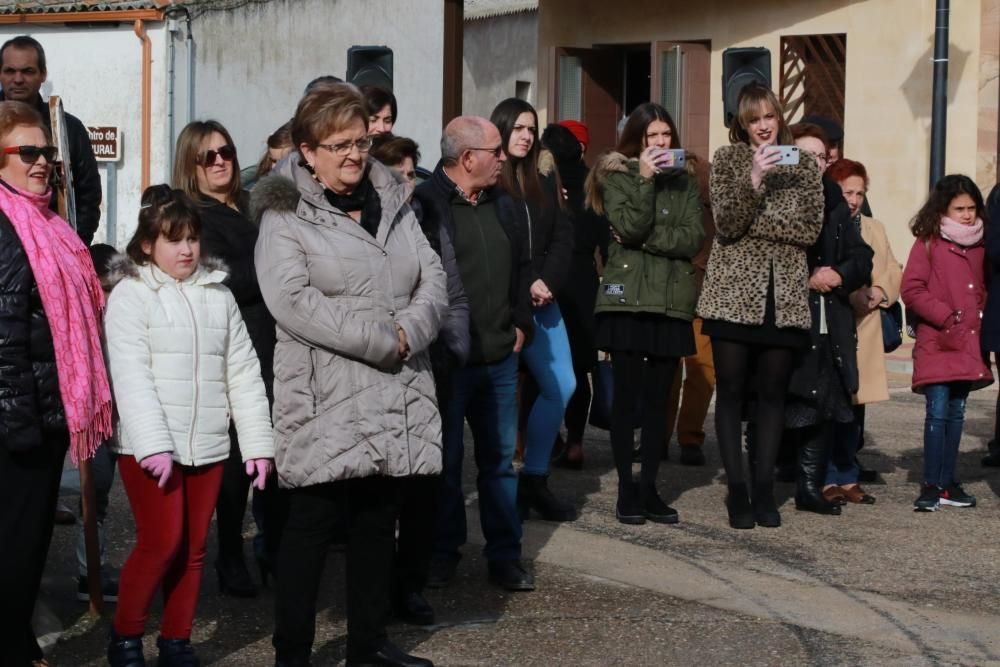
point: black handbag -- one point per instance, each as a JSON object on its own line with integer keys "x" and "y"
{"x": 892, "y": 326}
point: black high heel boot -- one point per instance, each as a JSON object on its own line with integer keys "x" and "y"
{"x": 812, "y": 474}
{"x": 765, "y": 511}
{"x": 533, "y": 494}
{"x": 176, "y": 653}
{"x": 125, "y": 651}
{"x": 739, "y": 508}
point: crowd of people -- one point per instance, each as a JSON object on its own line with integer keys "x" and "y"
{"x": 324, "y": 337}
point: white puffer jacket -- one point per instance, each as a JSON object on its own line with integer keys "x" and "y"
{"x": 182, "y": 363}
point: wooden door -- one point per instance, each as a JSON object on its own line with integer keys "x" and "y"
{"x": 586, "y": 85}
{"x": 681, "y": 82}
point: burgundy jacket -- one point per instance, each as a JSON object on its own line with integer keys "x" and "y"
{"x": 940, "y": 279}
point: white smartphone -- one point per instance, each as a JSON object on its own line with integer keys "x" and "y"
{"x": 789, "y": 154}
{"x": 671, "y": 158}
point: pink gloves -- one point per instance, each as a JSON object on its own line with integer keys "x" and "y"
{"x": 159, "y": 466}
{"x": 259, "y": 469}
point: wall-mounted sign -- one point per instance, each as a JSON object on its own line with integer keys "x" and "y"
{"x": 106, "y": 142}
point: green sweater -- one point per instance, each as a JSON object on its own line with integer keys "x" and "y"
{"x": 660, "y": 226}
{"x": 483, "y": 253}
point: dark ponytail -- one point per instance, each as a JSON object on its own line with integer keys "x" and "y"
{"x": 164, "y": 212}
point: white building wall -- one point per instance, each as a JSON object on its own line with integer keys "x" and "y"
{"x": 253, "y": 62}
{"x": 498, "y": 52}
{"x": 97, "y": 71}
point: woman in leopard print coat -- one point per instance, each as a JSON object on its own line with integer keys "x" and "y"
{"x": 755, "y": 297}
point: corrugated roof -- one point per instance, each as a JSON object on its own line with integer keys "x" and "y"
{"x": 484, "y": 9}
{"x": 55, "y": 6}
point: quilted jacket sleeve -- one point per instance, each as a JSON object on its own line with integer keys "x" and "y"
{"x": 421, "y": 319}
{"x": 245, "y": 390}
{"x": 130, "y": 358}
{"x": 20, "y": 421}
{"x": 304, "y": 311}
{"x": 914, "y": 289}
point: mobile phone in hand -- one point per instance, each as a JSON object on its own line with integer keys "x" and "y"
{"x": 670, "y": 158}
{"x": 789, "y": 154}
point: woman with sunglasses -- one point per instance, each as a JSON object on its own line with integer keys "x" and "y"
{"x": 54, "y": 392}
{"x": 207, "y": 170}
{"x": 359, "y": 295}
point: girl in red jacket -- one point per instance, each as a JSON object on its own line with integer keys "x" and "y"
{"x": 943, "y": 286}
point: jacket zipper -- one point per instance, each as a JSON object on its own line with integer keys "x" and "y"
{"x": 531, "y": 240}
{"x": 196, "y": 356}
{"x": 312, "y": 377}
{"x": 489, "y": 277}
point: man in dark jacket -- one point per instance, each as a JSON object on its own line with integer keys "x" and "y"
{"x": 22, "y": 74}
{"x": 495, "y": 269}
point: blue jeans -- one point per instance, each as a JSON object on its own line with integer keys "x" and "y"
{"x": 943, "y": 430}
{"x": 549, "y": 360}
{"x": 843, "y": 467}
{"x": 486, "y": 395}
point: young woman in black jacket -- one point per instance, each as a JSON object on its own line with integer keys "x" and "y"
{"x": 550, "y": 242}
{"x": 207, "y": 170}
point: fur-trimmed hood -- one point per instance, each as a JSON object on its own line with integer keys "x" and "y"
{"x": 615, "y": 162}
{"x": 121, "y": 266}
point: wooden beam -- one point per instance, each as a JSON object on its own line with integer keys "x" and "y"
{"x": 454, "y": 26}
{"x": 112, "y": 16}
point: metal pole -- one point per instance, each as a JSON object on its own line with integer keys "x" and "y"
{"x": 110, "y": 213}
{"x": 939, "y": 112}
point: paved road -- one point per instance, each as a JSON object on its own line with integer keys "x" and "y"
{"x": 880, "y": 585}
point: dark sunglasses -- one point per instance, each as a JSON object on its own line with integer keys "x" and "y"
{"x": 30, "y": 154}
{"x": 227, "y": 153}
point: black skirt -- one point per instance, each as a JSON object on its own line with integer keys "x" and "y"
{"x": 650, "y": 334}
{"x": 768, "y": 334}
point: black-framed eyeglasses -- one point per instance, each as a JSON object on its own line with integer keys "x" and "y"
{"x": 344, "y": 147}
{"x": 496, "y": 151}
{"x": 226, "y": 152}
{"x": 30, "y": 154}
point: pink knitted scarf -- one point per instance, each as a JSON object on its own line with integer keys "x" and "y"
{"x": 73, "y": 301}
{"x": 963, "y": 235}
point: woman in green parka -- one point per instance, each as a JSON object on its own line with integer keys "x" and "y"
{"x": 647, "y": 297}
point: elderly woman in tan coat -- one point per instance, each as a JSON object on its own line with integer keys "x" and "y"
{"x": 842, "y": 474}
{"x": 358, "y": 295}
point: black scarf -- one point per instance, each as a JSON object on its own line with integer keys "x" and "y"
{"x": 364, "y": 198}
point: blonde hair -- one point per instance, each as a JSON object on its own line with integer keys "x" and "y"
{"x": 325, "y": 109}
{"x": 753, "y": 98}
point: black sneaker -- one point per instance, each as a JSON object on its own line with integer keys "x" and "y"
{"x": 109, "y": 589}
{"x": 955, "y": 495}
{"x": 930, "y": 496}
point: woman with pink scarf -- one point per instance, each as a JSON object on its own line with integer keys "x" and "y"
{"x": 943, "y": 288}
{"x": 54, "y": 392}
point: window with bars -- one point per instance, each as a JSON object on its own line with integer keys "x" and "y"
{"x": 813, "y": 76}
{"x": 570, "y": 87}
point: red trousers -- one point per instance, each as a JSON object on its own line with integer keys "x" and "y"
{"x": 171, "y": 526}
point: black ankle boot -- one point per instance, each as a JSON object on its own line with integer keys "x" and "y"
{"x": 653, "y": 507}
{"x": 125, "y": 651}
{"x": 812, "y": 475}
{"x": 176, "y": 653}
{"x": 765, "y": 512}
{"x": 738, "y": 506}
{"x": 628, "y": 509}
{"x": 533, "y": 494}
{"x": 234, "y": 577}
{"x": 992, "y": 459}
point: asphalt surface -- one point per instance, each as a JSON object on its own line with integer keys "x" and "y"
{"x": 879, "y": 585}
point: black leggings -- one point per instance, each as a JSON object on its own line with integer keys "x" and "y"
{"x": 578, "y": 407}
{"x": 639, "y": 378}
{"x": 734, "y": 362}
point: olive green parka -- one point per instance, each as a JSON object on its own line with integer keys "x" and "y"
{"x": 658, "y": 223}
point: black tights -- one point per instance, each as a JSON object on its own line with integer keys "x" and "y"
{"x": 578, "y": 407}
{"x": 638, "y": 378}
{"x": 733, "y": 364}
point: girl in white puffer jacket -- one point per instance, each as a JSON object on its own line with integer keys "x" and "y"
{"x": 182, "y": 365}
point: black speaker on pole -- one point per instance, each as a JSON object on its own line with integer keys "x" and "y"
{"x": 742, "y": 66}
{"x": 370, "y": 66}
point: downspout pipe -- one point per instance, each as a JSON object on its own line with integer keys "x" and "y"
{"x": 939, "y": 109}
{"x": 189, "y": 53}
{"x": 171, "y": 75}
{"x": 147, "y": 67}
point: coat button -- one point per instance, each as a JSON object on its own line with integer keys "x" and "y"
{"x": 392, "y": 312}
{"x": 664, "y": 211}
{"x": 624, "y": 266}
{"x": 971, "y": 286}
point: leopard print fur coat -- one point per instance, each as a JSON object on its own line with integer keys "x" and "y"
{"x": 760, "y": 232}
